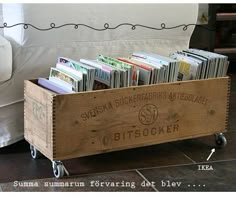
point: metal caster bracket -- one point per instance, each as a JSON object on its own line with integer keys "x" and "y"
{"x": 59, "y": 169}
{"x": 35, "y": 154}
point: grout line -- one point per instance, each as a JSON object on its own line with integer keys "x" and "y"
{"x": 141, "y": 175}
{"x": 215, "y": 161}
{"x": 167, "y": 166}
{"x": 189, "y": 157}
{"x": 177, "y": 165}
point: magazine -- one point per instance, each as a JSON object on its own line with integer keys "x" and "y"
{"x": 88, "y": 71}
{"x": 129, "y": 73}
{"x": 65, "y": 80}
{"x": 104, "y": 74}
{"x": 53, "y": 86}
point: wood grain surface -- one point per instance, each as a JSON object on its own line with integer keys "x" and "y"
{"x": 94, "y": 122}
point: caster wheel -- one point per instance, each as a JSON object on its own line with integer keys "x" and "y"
{"x": 58, "y": 169}
{"x": 35, "y": 154}
{"x": 221, "y": 140}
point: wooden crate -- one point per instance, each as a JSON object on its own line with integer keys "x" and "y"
{"x": 64, "y": 126}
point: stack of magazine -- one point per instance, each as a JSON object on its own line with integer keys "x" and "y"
{"x": 162, "y": 69}
{"x": 200, "y": 64}
{"x": 141, "y": 68}
{"x": 69, "y": 76}
{"x": 112, "y": 73}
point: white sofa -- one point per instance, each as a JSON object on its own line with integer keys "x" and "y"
{"x": 35, "y": 51}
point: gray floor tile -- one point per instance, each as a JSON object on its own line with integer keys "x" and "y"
{"x": 199, "y": 149}
{"x": 189, "y": 178}
{"x": 151, "y": 156}
{"x": 17, "y": 164}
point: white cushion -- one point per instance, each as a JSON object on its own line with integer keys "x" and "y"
{"x": 5, "y": 59}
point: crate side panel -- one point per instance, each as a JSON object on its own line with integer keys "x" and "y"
{"x": 38, "y": 118}
{"x": 102, "y": 121}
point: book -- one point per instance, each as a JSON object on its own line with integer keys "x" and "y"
{"x": 203, "y": 64}
{"x": 65, "y": 80}
{"x": 189, "y": 68}
{"x": 218, "y": 63}
{"x": 171, "y": 65}
{"x": 129, "y": 73}
{"x": 141, "y": 68}
{"x": 69, "y": 70}
{"x": 88, "y": 71}
{"x": 52, "y": 86}
{"x": 104, "y": 74}
{"x": 145, "y": 70}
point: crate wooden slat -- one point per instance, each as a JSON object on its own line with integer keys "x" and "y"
{"x": 38, "y": 117}
{"x": 86, "y": 123}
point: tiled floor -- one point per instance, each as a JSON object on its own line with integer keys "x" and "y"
{"x": 166, "y": 167}
{"x": 222, "y": 177}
